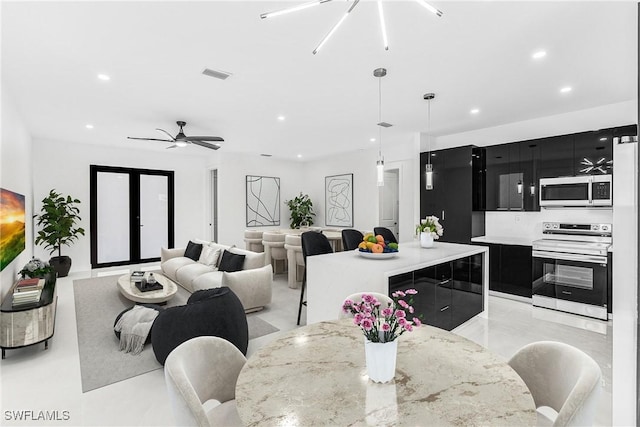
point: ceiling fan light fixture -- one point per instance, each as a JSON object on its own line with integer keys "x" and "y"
{"x": 180, "y": 143}
{"x": 335, "y": 27}
{"x": 429, "y": 7}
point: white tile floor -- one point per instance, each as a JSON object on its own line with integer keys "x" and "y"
{"x": 36, "y": 380}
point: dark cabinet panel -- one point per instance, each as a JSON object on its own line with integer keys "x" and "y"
{"x": 494, "y": 268}
{"x": 593, "y": 152}
{"x": 452, "y": 198}
{"x": 467, "y": 299}
{"x": 529, "y": 164}
{"x": 556, "y": 156}
{"x": 497, "y": 165}
{"x": 510, "y": 269}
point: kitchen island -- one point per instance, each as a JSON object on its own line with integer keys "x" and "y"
{"x": 451, "y": 280}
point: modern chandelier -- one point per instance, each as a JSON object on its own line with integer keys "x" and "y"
{"x": 429, "y": 167}
{"x": 380, "y": 73}
{"x": 383, "y": 27}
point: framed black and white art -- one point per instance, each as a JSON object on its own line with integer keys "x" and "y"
{"x": 338, "y": 195}
{"x": 263, "y": 201}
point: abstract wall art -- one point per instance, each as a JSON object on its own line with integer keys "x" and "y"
{"x": 263, "y": 201}
{"x": 12, "y": 223}
{"x": 338, "y": 190}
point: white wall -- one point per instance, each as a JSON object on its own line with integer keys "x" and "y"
{"x": 65, "y": 167}
{"x": 620, "y": 114}
{"x": 232, "y": 172}
{"x": 15, "y": 175}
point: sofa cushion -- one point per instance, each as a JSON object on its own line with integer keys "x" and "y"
{"x": 193, "y": 250}
{"x": 209, "y": 256}
{"x": 212, "y": 279}
{"x": 188, "y": 273}
{"x": 171, "y": 266}
{"x": 231, "y": 262}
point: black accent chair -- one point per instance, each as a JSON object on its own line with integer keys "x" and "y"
{"x": 313, "y": 243}
{"x": 351, "y": 239}
{"x": 386, "y": 233}
{"x": 209, "y": 312}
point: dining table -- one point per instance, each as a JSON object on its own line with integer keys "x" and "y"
{"x": 316, "y": 375}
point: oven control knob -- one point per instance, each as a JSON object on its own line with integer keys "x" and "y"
{"x": 605, "y": 228}
{"x": 556, "y": 226}
{"x": 595, "y": 227}
{"x": 547, "y": 225}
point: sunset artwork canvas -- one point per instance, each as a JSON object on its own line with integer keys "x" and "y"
{"x": 11, "y": 226}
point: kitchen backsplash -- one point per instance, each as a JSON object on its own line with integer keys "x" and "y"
{"x": 528, "y": 225}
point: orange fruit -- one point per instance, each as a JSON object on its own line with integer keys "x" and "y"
{"x": 376, "y": 248}
{"x": 379, "y": 238}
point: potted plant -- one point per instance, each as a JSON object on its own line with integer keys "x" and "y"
{"x": 58, "y": 219}
{"x": 429, "y": 230}
{"x": 35, "y": 268}
{"x": 301, "y": 210}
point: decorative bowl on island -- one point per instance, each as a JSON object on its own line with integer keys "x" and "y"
{"x": 375, "y": 247}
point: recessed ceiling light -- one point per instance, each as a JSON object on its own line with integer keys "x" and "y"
{"x": 89, "y": 126}
{"x": 474, "y": 111}
{"x": 604, "y": 138}
{"x": 566, "y": 89}
{"x": 372, "y": 140}
{"x": 104, "y": 77}
{"x": 539, "y": 54}
{"x": 299, "y": 156}
{"x": 281, "y": 118}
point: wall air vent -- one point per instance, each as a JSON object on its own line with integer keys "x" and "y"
{"x": 222, "y": 75}
{"x": 266, "y": 155}
{"x": 385, "y": 124}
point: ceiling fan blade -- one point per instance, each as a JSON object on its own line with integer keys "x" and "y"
{"x": 203, "y": 138}
{"x": 172, "y": 146}
{"x": 206, "y": 144}
{"x": 167, "y": 133}
{"x": 150, "y": 139}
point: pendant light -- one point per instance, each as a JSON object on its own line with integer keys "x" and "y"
{"x": 429, "y": 166}
{"x": 380, "y": 73}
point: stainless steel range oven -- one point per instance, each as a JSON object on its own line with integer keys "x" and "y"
{"x": 571, "y": 268}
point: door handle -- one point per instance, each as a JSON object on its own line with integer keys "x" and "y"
{"x": 443, "y": 215}
{"x": 444, "y": 308}
{"x": 444, "y": 282}
{"x": 566, "y": 292}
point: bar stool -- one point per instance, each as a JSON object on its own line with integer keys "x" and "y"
{"x": 253, "y": 240}
{"x": 273, "y": 242}
{"x": 313, "y": 243}
{"x": 293, "y": 245}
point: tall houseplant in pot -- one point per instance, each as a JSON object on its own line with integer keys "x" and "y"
{"x": 301, "y": 208}
{"x": 57, "y": 219}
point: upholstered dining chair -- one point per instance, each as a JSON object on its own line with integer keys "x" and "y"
{"x": 386, "y": 233}
{"x": 295, "y": 261}
{"x": 201, "y": 376}
{"x": 560, "y": 377}
{"x": 351, "y": 239}
{"x": 313, "y": 243}
{"x": 385, "y": 300}
{"x": 253, "y": 240}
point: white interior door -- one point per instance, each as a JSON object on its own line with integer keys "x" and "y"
{"x": 390, "y": 201}
{"x": 154, "y": 215}
{"x": 113, "y": 243}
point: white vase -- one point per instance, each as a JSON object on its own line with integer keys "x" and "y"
{"x": 381, "y": 360}
{"x": 426, "y": 240}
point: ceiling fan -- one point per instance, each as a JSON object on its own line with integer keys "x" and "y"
{"x": 181, "y": 140}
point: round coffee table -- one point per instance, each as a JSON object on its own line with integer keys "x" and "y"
{"x": 129, "y": 290}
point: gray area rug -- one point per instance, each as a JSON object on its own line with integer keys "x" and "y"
{"x": 98, "y": 302}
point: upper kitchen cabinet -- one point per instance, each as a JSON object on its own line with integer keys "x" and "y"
{"x": 529, "y": 165}
{"x": 556, "y": 156}
{"x": 505, "y": 178}
{"x": 628, "y": 130}
{"x": 593, "y": 152}
{"x": 457, "y": 195}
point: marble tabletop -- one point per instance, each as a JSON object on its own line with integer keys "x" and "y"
{"x": 316, "y": 375}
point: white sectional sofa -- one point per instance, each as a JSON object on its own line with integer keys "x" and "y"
{"x": 252, "y": 284}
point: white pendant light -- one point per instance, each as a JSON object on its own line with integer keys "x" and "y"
{"x": 380, "y": 73}
{"x": 429, "y": 166}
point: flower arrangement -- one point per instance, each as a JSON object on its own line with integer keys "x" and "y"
{"x": 35, "y": 268}
{"x": 430, "y": 224}
{"x": 383, "y": 324}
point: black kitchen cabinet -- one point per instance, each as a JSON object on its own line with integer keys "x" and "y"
{"x": 529, "y": 165}
{"x": 504, "y": 178}
{"x": 510, "y": 269}
{"x": 556, "y": 156}
{"x": 593, "y": 152}
{"x": 448, "y": 295}
{"x": 628, "y": 130}
{"x": 457, "y": 194}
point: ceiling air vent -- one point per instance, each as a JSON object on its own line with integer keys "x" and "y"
{"x": 385, "y": 124}
{"x": 222, "y": 75}
{"x": 266, "y": 155}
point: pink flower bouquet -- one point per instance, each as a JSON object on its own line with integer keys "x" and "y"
{"x": 380, "y": 322}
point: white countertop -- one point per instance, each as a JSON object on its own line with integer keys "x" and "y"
{"x": 504, "y": 240}
{"x": 333, "y": 277}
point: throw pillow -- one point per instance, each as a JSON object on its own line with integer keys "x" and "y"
{"x": 193, "y": 251}
{"x": 231, "y": 262}
{"x": 209, "y": 256}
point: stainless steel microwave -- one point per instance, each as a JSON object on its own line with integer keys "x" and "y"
{"x": 588, "y": 190}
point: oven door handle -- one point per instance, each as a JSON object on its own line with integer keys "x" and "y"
{"x": 569, "y": 257}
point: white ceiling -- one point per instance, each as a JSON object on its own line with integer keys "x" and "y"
{"x": 478, "y": 55}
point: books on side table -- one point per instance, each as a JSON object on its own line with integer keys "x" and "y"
{"x": 27, "y": 291}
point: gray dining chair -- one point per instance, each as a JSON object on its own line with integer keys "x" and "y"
{"x": 560, "y": 377}
{"x": 201, "y": 376}
{"x": 357, "y": 298}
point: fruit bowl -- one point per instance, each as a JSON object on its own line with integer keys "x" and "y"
{"x": 372, "y": 255}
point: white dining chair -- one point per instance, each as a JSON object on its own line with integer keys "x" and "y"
{"x": 253, "y": 240}
{"x": 273, "y": 242}
{"x": 201, "y": 376}
{"x": 560, "y": 377}
{"x": 357, "y": 298}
